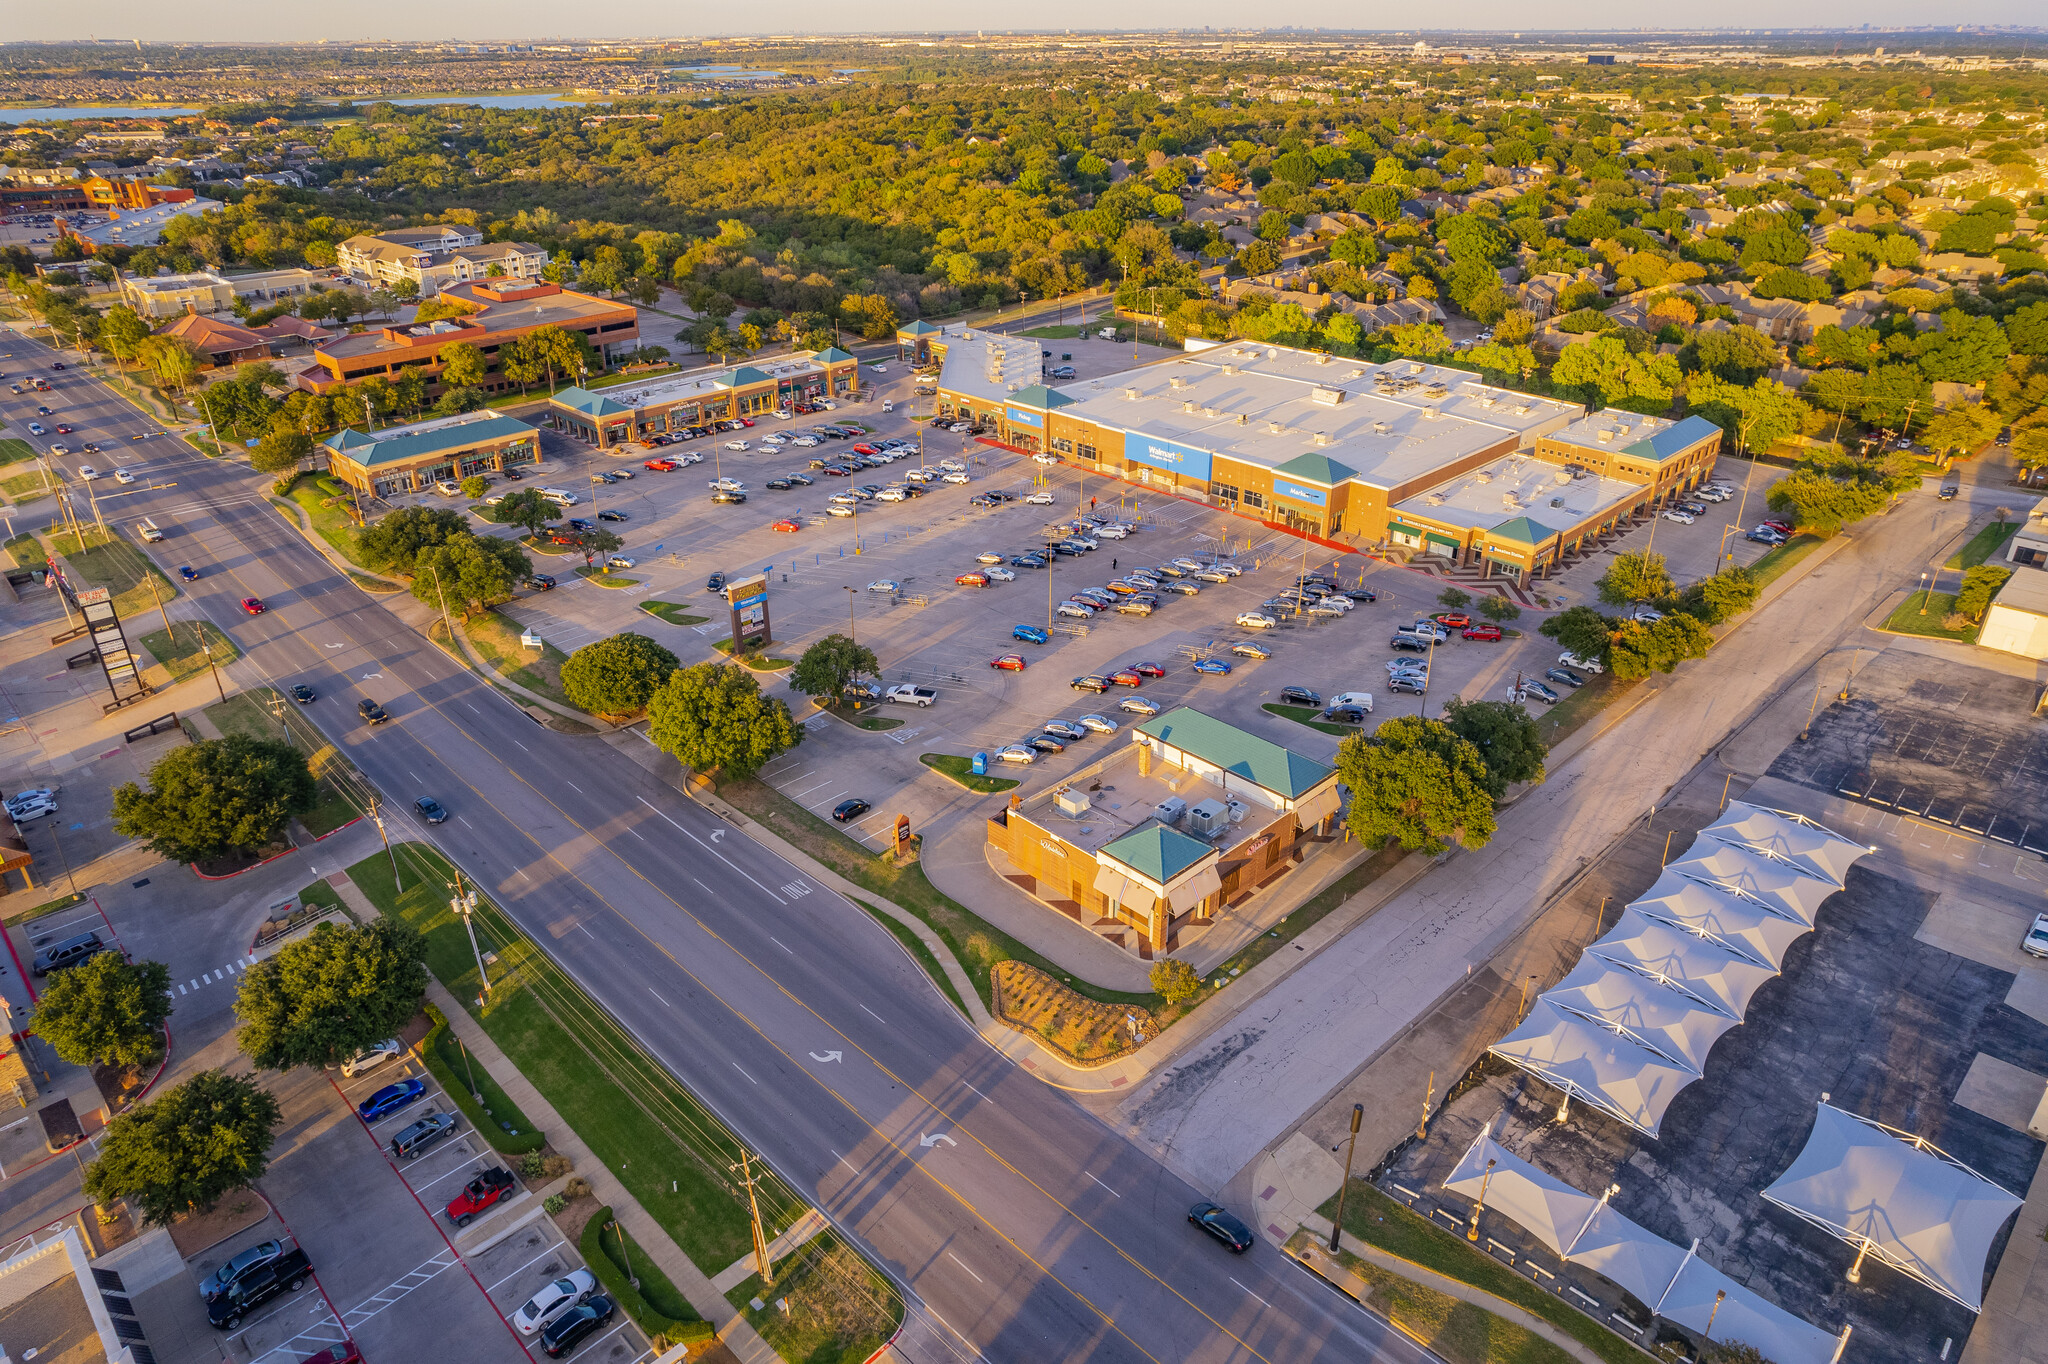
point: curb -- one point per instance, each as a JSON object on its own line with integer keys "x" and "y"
{"x": 251, "y": 867}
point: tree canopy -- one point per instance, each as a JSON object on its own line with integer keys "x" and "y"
{"x": 106, "y": 1010}
{"x": 394, "y": 542}
{"x": 217, "y": 797}
{"x": 712, "y": 717}
{"x": 1635, "y": 577}
{"x": 329, "y": 995}
{"x": 1508, "y": 739}
{"x": 469, "y": 573}
{"x": 1416, "y": 783}
{"x": 616, "y": 677}
{"x": 188, "y": 1148}
{"x": 829, "y": 665}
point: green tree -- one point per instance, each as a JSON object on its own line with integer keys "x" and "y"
{"x": 1453, "y": 599}
{"x": 712, "y": 717}
{"x": 1499, "y": 609}
{"x": 1980, "y": 585}
{"x": 1961, "y": 429}
{"x": 595, "y": 542}
{"x": 1635, "y": 578}
{"x": 475, "y": 486}
{"x": 463, "y": 364}
{"x": 828, "y": 666}
{"x": 395, "y": 543}
{"x": 1355, "y": 248}
{"x": 873, "y": 315}
{"x": 216, "y": 797}
{"x": 1642, "y": 647}
{"x": 122, "y": 332}
{"x": 331, "y": 994}
{"x": 527, "y": 509}
{"x": 106, "y": 1010}
{"x": 518, "y": 362}
{"x": 1740, "y": 355}
{"x": 1381, "y": 203}
{"x": 1755, "y": 415}
{"x": 1174, "y": 980}
{"x": 191, "y": 1147}
{"x": 1416, "y": 783}
{"x": 1581, "y": 631}
{"x": 1721, "y": 597}
{"x": 1507, "y": 739}
{"x": 2026, "y": 330}
{"x": 1824, "y": 505}
{"x": 475, "y": 572}
{"x": 1967, "y": 350}
{"x": 617, "y": 676}
{"x": 1420, "y": 340}
{"x": 1603, "y": 372}
{"x": 281, "y": 452}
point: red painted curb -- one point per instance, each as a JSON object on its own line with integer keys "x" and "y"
{"x": 161, "y": 1067}
{"x": 25, "y": 979}
{"x": 889, "y": 1342}
{"x": 332, "y": 832}
{"x": 251, "y": 867}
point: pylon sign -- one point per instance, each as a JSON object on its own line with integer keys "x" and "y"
{"x": 117, "y": 660}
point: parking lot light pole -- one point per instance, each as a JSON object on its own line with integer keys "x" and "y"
{"x": 851, "y": 597}
{"x": 1479, "y": 1203}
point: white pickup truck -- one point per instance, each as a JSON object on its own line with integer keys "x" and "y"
{"x": 147, "y": 529}
{"x": 911, "y": 696}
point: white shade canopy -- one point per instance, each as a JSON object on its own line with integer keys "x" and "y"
{"x": 1904, "y": 1200}
{"x": 1787, "y": 838}
{"x": 1671, "y": 1280}
{"x": 1633, "y": 1022}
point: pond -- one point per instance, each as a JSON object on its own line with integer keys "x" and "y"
{"x": 89, "y": 111}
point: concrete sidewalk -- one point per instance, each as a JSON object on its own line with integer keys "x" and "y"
{"x": 733, "y": 1330}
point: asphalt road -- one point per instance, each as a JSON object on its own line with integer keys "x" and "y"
{"x": 1032, "y": 1231}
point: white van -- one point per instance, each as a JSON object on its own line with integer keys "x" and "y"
{"x": 1360, "y": 699}
{"x": 561, "y": 497}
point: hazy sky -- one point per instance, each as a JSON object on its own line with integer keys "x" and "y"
{"x": 487, "y": 20}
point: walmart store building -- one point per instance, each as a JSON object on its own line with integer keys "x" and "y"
{"x": 1404, "y": 454}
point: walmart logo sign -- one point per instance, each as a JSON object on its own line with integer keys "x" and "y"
{"x": 1171, "y": 455}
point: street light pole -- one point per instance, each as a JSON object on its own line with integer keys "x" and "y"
{"x": 851, "y": 597}
{"x": 1337, "y": 1227}
{"x": 1479, "y": 1203}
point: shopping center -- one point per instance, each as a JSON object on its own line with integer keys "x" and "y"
{"x": 623, "y": 412}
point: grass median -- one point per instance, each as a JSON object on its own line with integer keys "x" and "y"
{"x": 182, "y": 650}
{"x": 1925, "y": 613}
{"x": 1987, "y": 543}
{"x": 663, "y": 1144}
{"x": 331, "y": 513}
{"x": 672, "y": 613}
{"x": 828, "y": 1305}
{"x": 104, "y": 558}
{"x": 1379, "y": 1221}
{"x": 960, "y": 771}
{"x": 1306, "y": 715}
{"x": 1776, "y": 561}
{"x": 265, "y": 714}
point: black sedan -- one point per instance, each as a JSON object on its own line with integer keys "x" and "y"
{"x": 715, "y": 583}
{"x": 1361, "y": 594}
{"x": 1300, "y": 696}
{"x": 303, "y": 694}
{"x": 613, "y": 516}
{"x": 371, "y": 712}
{"x": 780, "y": 485}
{"x": 1218, "y": 1221}
{"x": 1046, "y": 743}
{"x": 567, "y": 1331}
{"x": 850, "y": 809}
{"x": 431, "y": 810}
{"x": 1091, "y": 683}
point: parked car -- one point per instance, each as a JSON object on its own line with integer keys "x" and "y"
{"x": 1568, "y": 659}
{"x": 975, "y": 579}
{"x": 1257, "y": 620}
{"x": 1100, "y": 724}
{"x": 909, "y": 695}
{"x": 2035, "y": 944}
{"x": 1300, "y": 696}
{"x": 576, "y": 1326}
{"x": 850, "y": 809}
{"x": 1566, "y": 676}
{"x": 1531, "y": 687}
{"x": 1016, "y": 753}
{"x": 1218, "y": 1221}
{"x": 1030, "y": 634}
{"x": 391, "y": 1098}
{"x": 1078, "y": 610}
{"x": 1137, "y": 705}
{"x": 1094, "y": 682}
{"x": 371, "y": 1057}
{"x": 1046, "y": 743}
{"x": 415, "y": 1140}
{"x": 237, "y": 1268}
{"x": 1065, "y": 729}
{"x": 1212, "y": 667}
{"x": 715, "y": 583}
{"x": 1684, "y": 518}
{"x": 1008, "y": 662}
{"x": 553, "y": 1300}
{"x": 287, "y": 1273}
{"x": 609, "y": 515}
{"x": 480, "y": 1195}
{"x": 1420, "y": 646}
{"x": 1250, "y": 648}
{"x": 542, "y": 582}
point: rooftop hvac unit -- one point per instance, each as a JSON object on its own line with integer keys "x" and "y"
{"x": 1557, "y": 502}
{"x": 1380, "y": 428}
{"x": 1230, "y": 369}
{"x": 1131, "y": 394}
{"x": 1210, "y": 412}
{"x": 1511, "y": 502}
{"x": 1322, "y": 357}
{"x": 1238, "y": 810}
{"x": 1170, "y": 810}
{"x": 1488, "y": 400}
{"x": 1522, "y": 409}
{"x": 1563, "y": 475}
{"x": 1178, "y": 381}
{"x": 1188, "y": 406}
{"x": 1430, "y": 414}
{"x": 1605, "y": 437}
{"x": 1277, "y": 428}
{"x": 1243, "y": 418}
{"x": 1323, "y": 396}
{"x": 1434, "y": 499}
{"x": 1417, "y": 369}
{"x": 1483, "y": 476}
{"x": 1208, "y": 819}
{"x": 1072, "y": 802}
{"x": 1322, "y": 438}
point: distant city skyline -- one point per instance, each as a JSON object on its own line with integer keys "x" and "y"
{"x": 522, "y": 20}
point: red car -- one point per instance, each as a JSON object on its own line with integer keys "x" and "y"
{"x": 253, "y": 605}
{"x": 971, "y": 580}
{"x": 1128, "y": 677}
{"x": 1486, "y": 632}
{"x": 865, "y": 449}
{"x": 480, "y": 1194}
{"x": 1008, "y": 662}
{"x": 785, "y": 524}
{"x": 62, "y": 429}
{"x": 345, "y": 1353}
{"x": 659, "y": 466}
{"x": 1146, "y": 670}
{"x": 1453, "y": 620}
{"x": 1782, "y": 527}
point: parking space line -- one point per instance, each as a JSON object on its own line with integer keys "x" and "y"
{"x": 600, "y": 1340}
{"x": 552, "y": 1247}
{"x": 422, "y": 1188}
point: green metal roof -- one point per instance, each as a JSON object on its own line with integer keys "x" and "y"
{"x": 1522, "y": 531}
{"x": 742, "y": 376}
{"x": 588, "y": 403}
{"x": 442, "y": 441}
{"x": 1259, "y": 761}
{"x": 1158, "y": 853}
{"x": 1315, "y": 469}
{"x": 1040, "y": 398}
{"x": 832, "y": 355}
{"x": 919, "y": 328}
{"x": 1675, "y": 439}
{"x": 347, "y": 439}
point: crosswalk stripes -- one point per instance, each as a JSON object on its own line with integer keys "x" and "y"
{"x": 215, "y": 977}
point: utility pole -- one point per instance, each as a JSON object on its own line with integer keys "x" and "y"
{"x": 464, "y": 904}
{"x": 377, "y": 817}
{"x": 762, "y": 1266}
{"x": 275, "y": 700}
{"x": 1479, "y": 1203}
{"x": 1337, "y": 1227}
{"x": 1422, "y": 1128}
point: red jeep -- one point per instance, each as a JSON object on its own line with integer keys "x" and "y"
{"x": 480, "y": 1194}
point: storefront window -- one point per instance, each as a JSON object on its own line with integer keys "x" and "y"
{"x": 1063, "y": 445}
{"x": 1254, "y": 499}
{"x": 1408, "y": 538}
{"x": 1085, "y": 451}
{"x": 1223, "y": 491}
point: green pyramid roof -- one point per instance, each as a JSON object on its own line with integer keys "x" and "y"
{"x": 1674, "y": 440}
{"x": 588, "y": 403}
{"x": 831, "y": 355}
{"x": 1040, "y": 397}
{"x": 919, "y": 328}
{"x": 1158, "y": 853}
{"x": 1241, "y": 754}
{"x": 1318, "y": 469}
{"x": 1522, "y": 531}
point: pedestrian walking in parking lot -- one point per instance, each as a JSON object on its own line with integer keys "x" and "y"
{"x": 1112, "y": 565}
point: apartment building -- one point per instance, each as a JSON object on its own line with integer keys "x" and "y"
{"x": 435, "y": 258}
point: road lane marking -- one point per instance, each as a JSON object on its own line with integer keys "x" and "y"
{"x": 743, "y": 1070}
{"x": 1250, "y": 1294}
{"x": 574, "y": 787}
{"x": 978, "y": 1279}
{"x": 1112, "y": 1192}
{"x": 778, "y": 942}
{"x": 872, "y": 1014}
{"x": 657, "y": 994}
{"x": 708, "y": 848}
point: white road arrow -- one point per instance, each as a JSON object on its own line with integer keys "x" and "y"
{"x": 371, "y": 677}
{"x": 822, "y": 1057}
{"x": 935, "y": 1138}
{"x": 717, "y": 835}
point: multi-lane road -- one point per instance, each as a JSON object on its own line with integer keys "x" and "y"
{"x": 1032, "y": 1231}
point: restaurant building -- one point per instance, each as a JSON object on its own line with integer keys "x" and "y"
{"x": 1405, "y": 454}
{"x": 407, "y": 459}
{"x": 609, "y": 417}
{"x": 1204, "y": 815}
